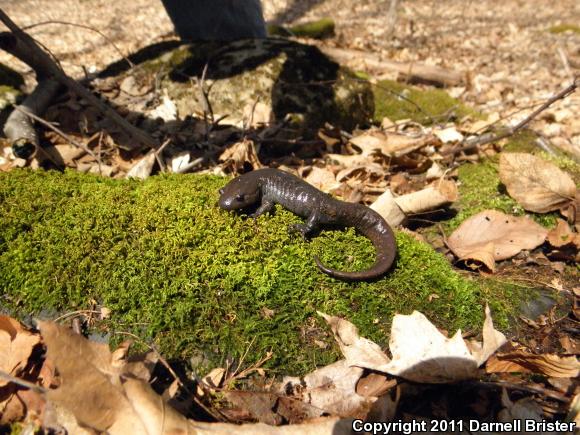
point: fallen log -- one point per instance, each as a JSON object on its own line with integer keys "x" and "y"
{"x": 411, "y": 71}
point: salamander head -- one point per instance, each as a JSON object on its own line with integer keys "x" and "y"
{"x": 239, "y": 193}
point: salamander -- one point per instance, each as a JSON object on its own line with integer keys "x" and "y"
{"x": 267, "y": 187}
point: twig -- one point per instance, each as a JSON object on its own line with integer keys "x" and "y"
{"x": 56, "y": 130}
{"x": 83, "y": 26}
{"x": 75, "y": 313}
{"x": 158, "y": 152}
{"x": 191, "y": 165}
{"x": 484, "y": 139}
{"x": 22, "y": 383}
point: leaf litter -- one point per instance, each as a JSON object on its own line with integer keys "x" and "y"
{"x": 377, "y": 167}
{"x": 80, "y": 385}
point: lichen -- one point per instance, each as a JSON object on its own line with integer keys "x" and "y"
{"x": 179, "y": 272}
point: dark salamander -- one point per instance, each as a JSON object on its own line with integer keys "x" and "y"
{"x": 268, "y": 187}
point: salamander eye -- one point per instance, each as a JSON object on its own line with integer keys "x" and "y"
{"x": 221, "y": 191}
{"x": 240, "y": 197}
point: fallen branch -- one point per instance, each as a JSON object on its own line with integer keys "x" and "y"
{"x": 19, "y": 128}
{"x": 49, "y": 125}
{"x": 412, "y": 71}
{"x": 477, "y": 141}
{"x": 27, "y": 50}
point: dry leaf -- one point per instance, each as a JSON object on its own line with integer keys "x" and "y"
{"x": 420, "y": 352}
{"x": 317, "y": 426}
{"x": 438, "y": 194}
{"x": 365, "y": 172}
{"x": 562, "y": 235}
{"x": 320, "y": 178}
{"x": 179, "y": 161}
{"x": 386, "y": 206}
{"x": 374, "y": 385}
{"x": 259, "y": 405}
{"x": 332, "y": 389}
{"x": 522, "y": 360}
{"x": 236, "y": 156}
{"x": 389, "y": 144}
{"x": 524, "y": 410}
{"x": 257, "y": 114}
{"x": 87, "y": 376}
{"x": 448, "y": 135}
{"x": 492, "y": 235}
{"x": 357, "y": 350}
{"x": 492, "y": 340}
{"x": 167, "y": 110}
{"x": 434, "y": 172}
{"x": 349, "y": 160}
{"x": 537, "y": 185}
{"x": 143, "y": 168}
{"x": 16, "y": 344}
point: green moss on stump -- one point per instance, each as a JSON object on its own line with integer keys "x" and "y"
{"x": 398, "y": 101}
{"x": 320, "y": 29}
{"x": 175, "y": 269}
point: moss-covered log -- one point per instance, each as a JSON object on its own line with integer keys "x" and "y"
{"x": 175, "y": 269}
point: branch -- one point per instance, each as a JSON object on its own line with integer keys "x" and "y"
{"x": 484, "y": 139}
{"x": 19, "y": 128}
{"x": 41, "y": 62}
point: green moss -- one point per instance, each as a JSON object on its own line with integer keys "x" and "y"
{"x": 562, "y": 28}
{"x": 175, "y": 269}
{"x": 399, "y": 101}
{"x": 320, "y": 29}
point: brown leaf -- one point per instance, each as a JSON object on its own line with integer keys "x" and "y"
{"x": 389, "y": 144}
{"x": 16, "y": 344}
{"x": 537, "y": 185}
{"x": 374, "y": 385}
{"x": 16, "y": 349}
{"x": 562, "y": 235}
{"x": 239, "y": 155}
{"x": 357, "y": 350}
{"x": 87, "y": 376}
{"x": 260, "y": 405}
{"x": 492, "y": 235}
{"x": 332, "y": 389}
{"x": 320, "y": 178}
{"x": 522, "y": 360}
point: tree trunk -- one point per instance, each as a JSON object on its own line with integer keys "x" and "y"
{"x": 216, "y": 20}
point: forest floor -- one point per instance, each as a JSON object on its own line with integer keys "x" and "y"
{"x": 515, "y": 55}
{"x": 512, "y": 59}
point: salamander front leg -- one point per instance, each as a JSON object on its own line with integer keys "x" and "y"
{"x": 308, "y": 227}
{"x": 265, "y": 207}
